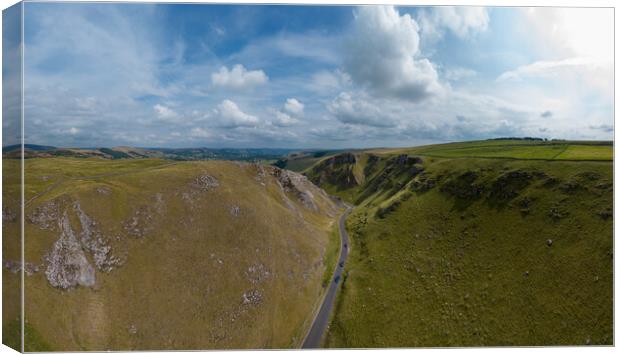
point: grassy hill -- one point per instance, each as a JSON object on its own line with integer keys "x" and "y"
{"x": 125, "y": 152}
{"x": 299, "y": 161}
{"x": 502, "y": 242}
{"x": 151, "y": 254}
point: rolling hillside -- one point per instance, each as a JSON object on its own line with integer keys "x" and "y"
{"x": 153, "y": 254}
{"x": 506, "y": 242}
{"x": 125, "y": 152}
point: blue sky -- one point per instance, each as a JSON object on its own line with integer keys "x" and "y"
{"x": 176, "y": 75}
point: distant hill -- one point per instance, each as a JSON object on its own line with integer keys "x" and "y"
{"x": 32, "y": 147}
{"x": 240, "y": 154}
{"x": 124, "y": 152}
{"x": 301, "y": 160}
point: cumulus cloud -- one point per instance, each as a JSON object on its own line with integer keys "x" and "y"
{"x": 229, "y": 115}
{"x": 359, "y": 111}
{"x": 381, "y": 53}
{"x": 238, "y": 78}
{"x": 294, "y": 107}
{"x": 463, "y": 21}
{"x": 165, "y": 113}
{"x": 284, "y": 120}
{"x": 198, "y": 132}
{"x": 290, "y": 113}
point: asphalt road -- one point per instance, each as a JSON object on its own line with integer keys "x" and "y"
{"x": 313, "y": 339}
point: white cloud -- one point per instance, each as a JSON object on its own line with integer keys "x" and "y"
{"x": 165, "y": 114}
{"x": 294, "y": 107}
{"x": 315, "y": 47}
{"x": 229, "y": 115}
{"x": 456, "y": 74}
{"x": 198, "y": 132}
{"x": 463, "y": 21}
{"x": 290, "y": 113}
{"x": 581, "y": 75}
{"x": 325, "y": 81}
{"x": 238, "y": 78}
{"x": 284, "y": 120}
{"x": 571, "y": 32}
{"x": 358, "y": 110}
{"x": 380, "y": 53}
{"x": 73, "y": 130}
{"x": 547, "y": 68}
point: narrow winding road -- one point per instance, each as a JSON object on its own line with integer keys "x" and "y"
{"x": 313, "y": 339}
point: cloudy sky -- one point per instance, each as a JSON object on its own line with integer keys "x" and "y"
{"x": 179, "y": 75}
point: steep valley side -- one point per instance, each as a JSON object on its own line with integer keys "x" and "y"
{"x": 473, "y": 251}
{"x": 159, "y": 255}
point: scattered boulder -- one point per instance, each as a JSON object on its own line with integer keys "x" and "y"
{"x": 16, "y": 266}
{"x": 140, "y": 223}
{"x": 588, "y": 175}
{"x": 524, "y": 204}
{"x": 45, "y": 216}
{"x": 8, "y": 215}
{"x": 464, "y": 186}
{"x": 235, "y": 210}
{"x": 257, "y": 273}
{"x": 509, "y": 185}
{"x": 297, "y": 184}
{"x": 205, "y": 182}
{"x": 252, "y": 297}
{"x": 556, "y": 212}
{"x": 260, "y": 172}
{"x": 103, "y": 190}
{"x": 571, "y": 186}
{"x": 92, "y": 240}
{"x": 424, "y": 182}
{"x": 550, "y": 182}
{"x": 67, "y": 263}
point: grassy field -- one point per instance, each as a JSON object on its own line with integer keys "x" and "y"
{"x": 11, "y": 249}
{"x": 199, "y": 269}
{"x": 516, "y": 149}
{"x": 454, "y": 251}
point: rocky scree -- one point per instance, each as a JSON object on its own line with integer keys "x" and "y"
{"x": 68, "y": 263}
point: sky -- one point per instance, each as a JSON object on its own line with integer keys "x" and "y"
{"x": 192, "y": 75}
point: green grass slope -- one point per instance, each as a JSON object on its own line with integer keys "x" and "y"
{"x": 477, "y": 251}
{"x": 517, "y": 149}
{"x": 301, "y": 160}
{"x": 11, "y": 249}
{"x": 148, "y": 254}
